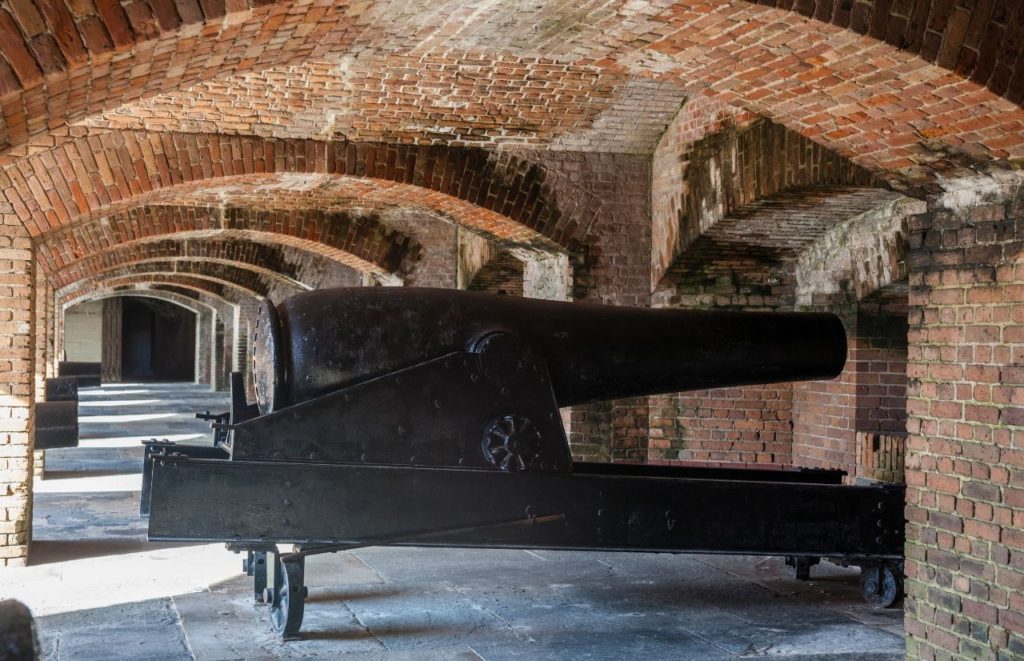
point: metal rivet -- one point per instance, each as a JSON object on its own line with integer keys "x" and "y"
{"x": 437, "y": 403}
{"x": 474, "y": 377}
{"x": 362, "y": 457}
{"x": 401, "y": 429}
{"x": 287, "y": 484}
{"x": 412, "y": 459}
{"x": 286, "y": 502}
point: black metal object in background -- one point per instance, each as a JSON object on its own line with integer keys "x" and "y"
{"x": 431, "y": 417}
{"x": 88, "y": 374}
{"x": 57, "y": 418}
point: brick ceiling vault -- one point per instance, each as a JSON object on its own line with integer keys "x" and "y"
{"x": 183, "y": 285}
{"x": 192, "y": 304}
{"x": 503, "y": 196}
{"x": 157, "y": 263}
{"x": 63, "y": 251}
{"x": 64, "y": 63}
{"x": 294, "y": 268}
{"x": 191, "y": 299}
{"x": 345, "y": 109}
{"x": 224, "y": 302}
{"x": 245, "y": 281}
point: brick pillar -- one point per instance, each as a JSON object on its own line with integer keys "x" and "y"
{"x": 112, "y": 340}
{"x": 204, "y": 347}
{"x": 17, "y": 390}
{"x": 965, "y": 454}
{"x": 220, "y": 365}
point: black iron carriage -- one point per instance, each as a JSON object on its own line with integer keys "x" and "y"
{"x": 431, "y": 418}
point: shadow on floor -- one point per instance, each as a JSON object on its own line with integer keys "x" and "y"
{"x": 50, "y": 551}
{"x": 69, "y": 474}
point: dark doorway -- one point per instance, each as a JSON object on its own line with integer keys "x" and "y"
{"x": 158, "y": 341}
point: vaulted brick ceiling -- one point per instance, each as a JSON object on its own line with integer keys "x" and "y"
{"x": 574, "y": 75}
{"x": 124, "y": 122}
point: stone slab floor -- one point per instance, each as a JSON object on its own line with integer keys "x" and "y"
{"x": 101, "y": 591}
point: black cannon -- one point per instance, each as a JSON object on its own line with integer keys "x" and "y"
{"x": 431, "y": 418}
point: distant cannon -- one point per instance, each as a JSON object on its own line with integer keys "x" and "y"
{"x": 57, "y": 415}
{"x": 431, "y": 417}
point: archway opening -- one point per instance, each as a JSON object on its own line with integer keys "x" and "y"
{"x": 158, "y": 341}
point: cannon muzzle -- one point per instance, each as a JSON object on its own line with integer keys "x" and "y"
{"x": 320, "y": 341}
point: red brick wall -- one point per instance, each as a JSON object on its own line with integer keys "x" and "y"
{"x": 824, "y": 418}
{"x": 745, "y": 425}
{"x": 965, "y": 463}
{"x": 880, "y": 361}
{"x": 869, "y": 395}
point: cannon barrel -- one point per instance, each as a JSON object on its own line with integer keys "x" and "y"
{"x": 320, "y": 341}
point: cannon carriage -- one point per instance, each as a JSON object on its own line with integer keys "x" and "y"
{"x": 432, "y": 418}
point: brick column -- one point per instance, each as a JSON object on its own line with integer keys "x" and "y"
{"x": 204, "y": 349}
{"x": 965, "y": 454}
{"x": 17, "y": 390}
{"x": 113, "y": 319}
{"x": 220, "y": 363}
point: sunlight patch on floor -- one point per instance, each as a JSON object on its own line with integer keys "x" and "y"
{"x": 89, "y": 484}
{"x": 135, "y": 441}
{"x": 121, "y": 402}
{"x": 117, "y": 578}
{"x": 130, "y": 417}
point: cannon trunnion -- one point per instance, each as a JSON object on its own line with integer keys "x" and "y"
{"x": 431, "y": 417}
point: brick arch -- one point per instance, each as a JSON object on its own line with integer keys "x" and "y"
{"x": 65, "y": 59}
{"x": 73, "y": 44}
{"x": 225, "y": 275}
{"x": 500, "y": 194}
{"x": 223, "y": 303}
{"x": 358, "y": 241}
{"x": 861, "y": 255}
{"x": 714, "y": 159}
{"x": 234, "y": 272}
{"x": 887, "y": 110}
{"x": 269, "y": 260}
{"x": 980, "y": 41}
{"x": 191, "y": 304}
{"x": 183, "y": 285}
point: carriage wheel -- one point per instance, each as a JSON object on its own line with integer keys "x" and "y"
{"x": 288, "y": 596}
{"x": 881, "y": 585}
